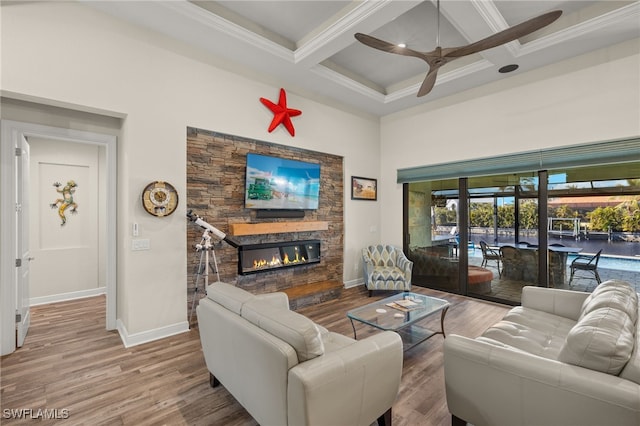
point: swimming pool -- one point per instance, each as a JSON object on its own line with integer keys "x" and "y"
{"x": 620, "y": 263}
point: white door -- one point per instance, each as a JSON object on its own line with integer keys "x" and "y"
{"x": 23, "y": 258}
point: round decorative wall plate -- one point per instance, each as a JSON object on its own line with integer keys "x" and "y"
{"x": 160, "y": 198}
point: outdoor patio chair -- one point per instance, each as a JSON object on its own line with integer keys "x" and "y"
{"x": 456, "y": 243}
{"x": 490, "y": 254}
{"x": 529, "y": 264}
{"x": 586, "y": 263}
{"x": 556, "y": 267}
{"x": 511, "y": 267}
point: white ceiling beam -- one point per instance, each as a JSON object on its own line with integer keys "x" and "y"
{"x": 365, "y": 17}
{"x": 476, "y": 20}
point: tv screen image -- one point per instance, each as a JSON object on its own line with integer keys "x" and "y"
{"x": 274, "y": 183}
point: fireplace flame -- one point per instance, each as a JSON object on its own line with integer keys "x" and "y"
{"x": 297, "y": 259}
{"x": 261, "y": 263}
{"x": 272, "y": 256}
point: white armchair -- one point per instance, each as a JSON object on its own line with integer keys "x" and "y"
{"x": 284, "y": 369}
{"x": 386, "y": 268}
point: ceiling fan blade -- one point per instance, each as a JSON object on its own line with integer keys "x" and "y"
{"x": 385, "y": 46}
{"x": 505, "y": 36}
{"x": 429, "y": 81}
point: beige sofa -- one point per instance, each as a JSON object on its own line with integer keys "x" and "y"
{"x": 562, "y": 358}
{"x": 286, "y": 370}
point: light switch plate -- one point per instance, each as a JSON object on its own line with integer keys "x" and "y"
{"x": 142, "y": 244}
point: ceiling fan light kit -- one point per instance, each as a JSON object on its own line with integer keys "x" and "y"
{"x": 441, "y": 56}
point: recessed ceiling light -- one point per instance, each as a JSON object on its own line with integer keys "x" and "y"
{"x": 508, "y": 68}
{"x": 402, "y": 45}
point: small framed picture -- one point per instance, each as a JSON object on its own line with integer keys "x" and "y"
{"x": 364, "y": 188}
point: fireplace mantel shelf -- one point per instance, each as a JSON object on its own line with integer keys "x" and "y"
{"x": 240, "y": 229}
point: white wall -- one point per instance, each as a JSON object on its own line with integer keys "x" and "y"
{"x": 69, "y": 54}
{"x": 591, "y": 98}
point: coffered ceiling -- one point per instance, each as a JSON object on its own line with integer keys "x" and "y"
{"x": 308, "y": 46}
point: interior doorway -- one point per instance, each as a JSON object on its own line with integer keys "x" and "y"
{"x": 12, "y": 132}
{"x": 66, "y": 220}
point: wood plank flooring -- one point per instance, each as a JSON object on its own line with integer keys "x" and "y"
{"x": 70, "y": 362}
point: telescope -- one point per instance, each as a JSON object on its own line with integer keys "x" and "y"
{"x": 215, "y": 231}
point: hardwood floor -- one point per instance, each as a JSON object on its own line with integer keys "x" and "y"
{"x": 71, "y": 364}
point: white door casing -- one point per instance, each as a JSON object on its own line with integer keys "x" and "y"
{"x": 11, "y": 132}
{"x": 22, "y": 252}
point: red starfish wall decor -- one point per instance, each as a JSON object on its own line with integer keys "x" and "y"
{"x": 281, "y": 114}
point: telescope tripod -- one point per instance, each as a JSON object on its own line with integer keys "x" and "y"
{"x": 204, "y": 267}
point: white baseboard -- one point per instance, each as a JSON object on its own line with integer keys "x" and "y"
{"x": 149, "y": 336}
{"x": 62, "y": 297}
{"x": 354, "y": 283}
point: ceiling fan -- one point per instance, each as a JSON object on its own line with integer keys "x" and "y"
{"x": 441, "y": 56}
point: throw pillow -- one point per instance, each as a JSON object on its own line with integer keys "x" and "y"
{"x": 615, "y": 294}
{"x": 602, "y": 341}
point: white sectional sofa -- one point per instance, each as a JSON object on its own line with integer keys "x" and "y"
{"x": 562, "y": 358}
{"x": 286, "y": 370}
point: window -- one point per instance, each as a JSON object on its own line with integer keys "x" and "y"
{"x": 568, "y": 211}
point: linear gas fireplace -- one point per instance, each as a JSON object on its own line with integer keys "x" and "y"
{"x": 267, "y": 257}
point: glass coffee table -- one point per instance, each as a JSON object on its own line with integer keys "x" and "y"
{"x": 400, "y": 313}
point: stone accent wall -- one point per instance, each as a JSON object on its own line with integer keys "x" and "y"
{"x": 216, "y": 165}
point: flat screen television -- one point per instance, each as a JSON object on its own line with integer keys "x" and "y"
{"x": 274, "y": 183}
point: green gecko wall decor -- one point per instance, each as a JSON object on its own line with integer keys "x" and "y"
{"x": 66, "y": 201}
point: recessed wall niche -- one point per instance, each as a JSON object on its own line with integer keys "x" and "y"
{"x": 216, "y": 165}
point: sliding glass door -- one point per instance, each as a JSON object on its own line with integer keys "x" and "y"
{"x": 432, "y": 237}
{"x": 503, "y": 235}
{"x": 507, "y": 231}
{"x": 565, "y": 217}
{"x": 594, "y": 216}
